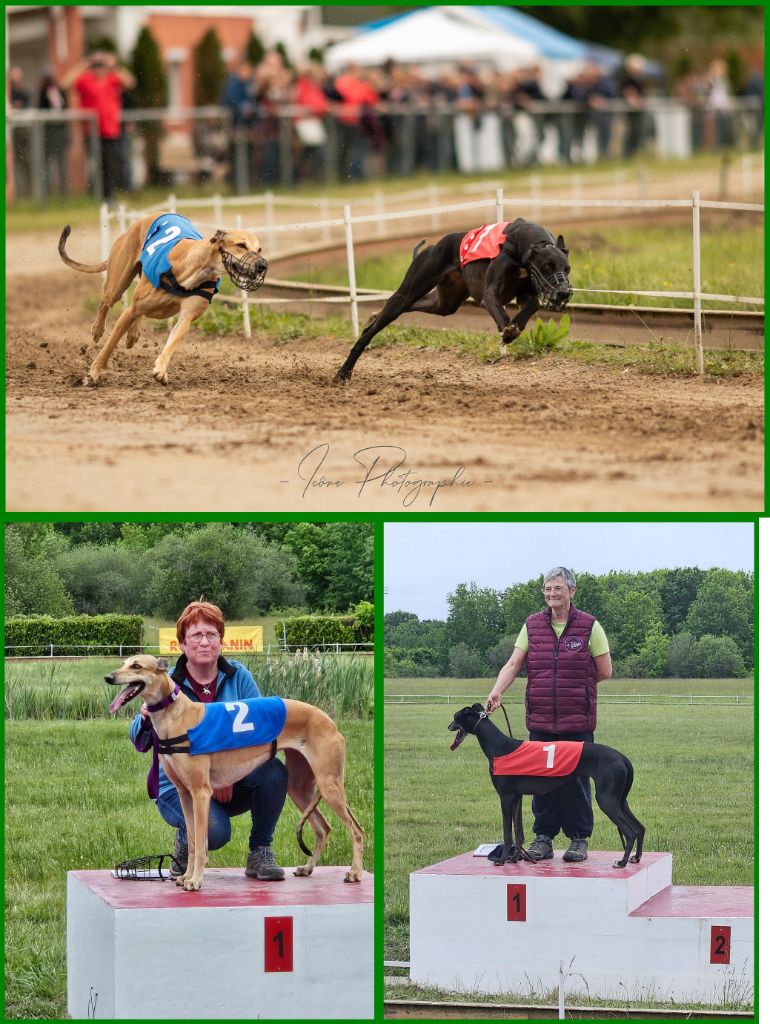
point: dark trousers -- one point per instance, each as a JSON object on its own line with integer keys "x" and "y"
{"x": 112, "y": 166}
{"x": 567, "y": 809}
{"x": 263, "y": 792}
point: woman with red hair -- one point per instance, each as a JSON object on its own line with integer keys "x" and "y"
{"x": 203, "y": 674}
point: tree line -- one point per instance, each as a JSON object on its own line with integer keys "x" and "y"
{"x": 157, "y": 568}
{"x": 686, "y": 623}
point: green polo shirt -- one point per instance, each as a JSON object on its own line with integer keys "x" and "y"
{"x": 597, "y": 642}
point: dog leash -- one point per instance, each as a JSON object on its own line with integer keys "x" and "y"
{"x": 507, "y": 722}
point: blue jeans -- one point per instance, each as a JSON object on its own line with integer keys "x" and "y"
{"x": 567, "y": 809}
{"x": 263, "y": 792}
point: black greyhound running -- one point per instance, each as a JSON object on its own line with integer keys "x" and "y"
{"x": 612, "y": 772}
{"x": 495, "y": 265}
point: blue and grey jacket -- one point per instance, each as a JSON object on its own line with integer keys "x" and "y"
{"x": 234, "y": 683}
{"x": 162, "y": 235}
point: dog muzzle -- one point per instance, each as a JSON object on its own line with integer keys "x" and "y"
{"x": 553, "y": 292}
{"x": 247, "y": 271}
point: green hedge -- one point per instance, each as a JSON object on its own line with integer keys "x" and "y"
{"x": 314, "y": 630}
{"x": 33, "y": 635}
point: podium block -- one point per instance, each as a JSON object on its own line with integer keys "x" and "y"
{"x": 239, "y": 948}
{"x": 622, "y": 933}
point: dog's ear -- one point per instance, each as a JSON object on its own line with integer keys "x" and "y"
{"x": 478, "y": 708}
{"x": 218, "y": 236}
{"x": 560, "y": 244}
{"x": 162, "y": 664}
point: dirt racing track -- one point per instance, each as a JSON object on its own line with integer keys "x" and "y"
{"x": 248, "y": 425}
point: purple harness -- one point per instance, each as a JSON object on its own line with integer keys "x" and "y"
{"x": 153, "y": 777}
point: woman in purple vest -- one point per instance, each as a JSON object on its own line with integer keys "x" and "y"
{"x": 567, "y": 654}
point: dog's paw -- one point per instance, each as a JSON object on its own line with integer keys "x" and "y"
{"x": 352, "y": 876}
{"x": 89, "y": 382}
{"x": 509, "y": 334}
{"x": 341, "y": 378}
{"x": 161, "y": 377}
{"x": 635, "y": 858}
{"x": 303, "y": 871}
{"x": 618, "y": 864}
{"x": 192, "y": 884}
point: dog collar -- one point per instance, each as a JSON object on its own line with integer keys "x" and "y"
{"x": 168, "y": 699}
{"x": 482, "y": 716}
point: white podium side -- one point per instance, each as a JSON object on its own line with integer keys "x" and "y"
{"x": 622, "y": 933}
{"x": 239, "y": 948}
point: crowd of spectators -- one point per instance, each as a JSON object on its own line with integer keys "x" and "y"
{"x": 394, "y": 119}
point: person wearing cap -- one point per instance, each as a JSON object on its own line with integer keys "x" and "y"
{"x": 566, "y": 654}
{"x": 203, "y": 674}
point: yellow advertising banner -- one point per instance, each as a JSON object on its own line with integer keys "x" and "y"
{"x": 238, "y": 640}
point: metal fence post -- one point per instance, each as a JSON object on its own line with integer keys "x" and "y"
{"x": 95, "y": 145}
{"x": 270, "y": 218}
{"x": 104, "y": 230}
{"x": 39, "y": 168}
{"x": 121, "y": 229}
{"x": 499, "y": 204}
{"x": 697, "y": 313}
{"x": 351, "y": 270}
{"x": 244, "y": 293}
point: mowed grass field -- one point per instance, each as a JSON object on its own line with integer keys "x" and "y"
{"x": 693, "y": 783}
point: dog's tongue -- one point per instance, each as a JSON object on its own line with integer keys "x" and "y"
{"x": 122, "y": 698}
{"x": 455, "y": 744}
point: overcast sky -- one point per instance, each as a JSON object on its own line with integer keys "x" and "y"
{"x": 425, "y": 561}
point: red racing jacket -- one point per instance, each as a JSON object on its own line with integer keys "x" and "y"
{"x": 483, "y": 243}
{"x": 540, "y": 757}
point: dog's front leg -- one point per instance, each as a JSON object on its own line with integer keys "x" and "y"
{"x": 518, "y": 828}
{"x": 191, "y": 309}
{"x": 506, "y": 806}
{"x": 198, "y": 851}
{"x": 185, "y": 799}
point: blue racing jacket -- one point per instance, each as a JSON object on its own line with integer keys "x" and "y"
{"x": 162, "y": 235}
{"x": 234, "y": 683}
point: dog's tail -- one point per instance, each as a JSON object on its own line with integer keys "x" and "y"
{"x": 305, "y": 815}
{"x": 86, "y": 268}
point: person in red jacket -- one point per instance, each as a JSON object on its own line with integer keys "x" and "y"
{"x": 567, "y": 654}
{"x": 359, "y": 122}
{"x": 100, "y": 82}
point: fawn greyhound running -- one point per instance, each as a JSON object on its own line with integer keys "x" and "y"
{"x": 179, "y": 272}
{"x": 313, "y": 747}
{"x": 548, "y": 766}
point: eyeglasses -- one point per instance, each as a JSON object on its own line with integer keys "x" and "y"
{"x": 196, "y": 638}
{"x": 554, "y": 590}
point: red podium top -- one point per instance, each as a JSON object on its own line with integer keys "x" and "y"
{"x": 229, "y": 887}
{"x": 598, "y": 865}
{"x": 699, "y": 901}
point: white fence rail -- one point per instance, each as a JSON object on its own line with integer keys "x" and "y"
{"x": 15, "y": 652}
{"x": 674, "y": 699}
{"x": 348, "y": 221}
